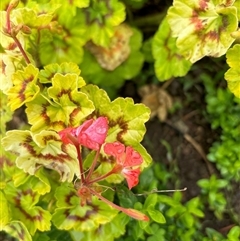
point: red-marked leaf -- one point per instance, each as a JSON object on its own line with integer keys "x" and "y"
{"x": 203, "y": 28}
{"x": 42, "y": 149}
{"x": 71, "y": 215}
{"x": 169, "y": 62}
{"x": 22, "y": 203}
{"x": 62, "y": 106}
{"x": 24, "y": 87}
{"x": 18, "y": 230}
{"x": 126, "y": 119}
{"x": 126, "y": 124}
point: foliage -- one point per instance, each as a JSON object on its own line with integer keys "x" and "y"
{"x": 223, "y": 109}
{"x": 63, "y": 172}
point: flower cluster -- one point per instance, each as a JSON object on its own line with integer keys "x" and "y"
{"x": 92, "y": 134}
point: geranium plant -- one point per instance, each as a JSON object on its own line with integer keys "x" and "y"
{"x": 59, "y": 171}
{"x": 67, "y": 167}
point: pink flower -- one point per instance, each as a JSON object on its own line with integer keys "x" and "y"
{"x": 92, "y": 133}
{"x": 127, "y": 159}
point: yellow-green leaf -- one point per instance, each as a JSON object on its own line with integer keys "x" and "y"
{"x": 233, "y": 74}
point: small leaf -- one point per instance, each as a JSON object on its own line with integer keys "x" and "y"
{"x": 234, "y": 233}
{"x": 24, "y": 87}
{"x": 65, "y": 68}
{"x": 150, "y": 201}
{"x": 156, "y": 215}
{"x": 108, "y": 14}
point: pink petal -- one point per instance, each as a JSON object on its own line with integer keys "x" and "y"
{"x": 131, "y": 176}
{"x": 92, "y": 133}
{"x": 98, "y": 130}
{"x": 114, "y": 149}
{"x": 65, "y": 135}
{"x": 133, "y": 158}
{"x": 83, "y": 127}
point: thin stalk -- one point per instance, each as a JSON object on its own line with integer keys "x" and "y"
{"x": 21, "y": 49}
{"x": 13, "y": 35}
{"x": 97, "y": 179}
{"x": 80, "y": 163}
{"x": 8, "y": 23}
{"x": 93, "y": 165}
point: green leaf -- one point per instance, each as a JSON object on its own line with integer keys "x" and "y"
{"x": 150, "y": 201}
{"x": 203, "y": 28}
{"x": 5, "y": 112}
{"x": 107, "y": 14}
{"x": 63, "y": 105}
{"x": 24, "y": 87}
{"x": 125, "y": 196}
{"x": 234, "y": 233}
{"x": 18, "y": 230}
{"x": 46, "y": 75}
{"x": 156, "y": 215}
{"x": 71, "y": 215}
{"x": 4, "y": 214}
{"x": 187, "y": 219}
{"x": 42, "y": 149}
{"x": 233, "y": 74}
{"x": 63, "y": 40}
{"x": 169, "y": 62}
{"x": 31, "y": 18}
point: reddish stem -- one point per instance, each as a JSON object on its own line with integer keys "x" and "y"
{"x": 80, "y": 163}
{"x": 93, "y": 166}
{"x": 9, "y": 9}
{"x": 21, "y": 49}
{"x": 13, "y": 35}
{"x": 97, "y": 179}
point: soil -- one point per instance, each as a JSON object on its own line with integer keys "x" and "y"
{"x": 181, "y": 157}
